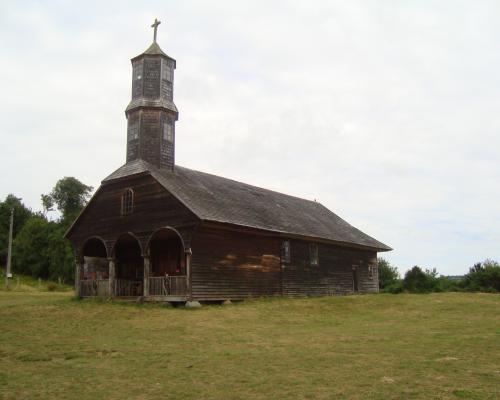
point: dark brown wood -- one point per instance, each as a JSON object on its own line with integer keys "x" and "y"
{"x": 229, "y": 265}
{"x": 168, "y": 286}
{"x": 225, "y": 263}
{"x": 154, "y": 208}
{"x": 233, "y": 266}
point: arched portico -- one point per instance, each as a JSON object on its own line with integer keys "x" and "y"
{"x": 92, "y": 269}
{"x": 128, "y": 266}
{"x": 169, "y": 263}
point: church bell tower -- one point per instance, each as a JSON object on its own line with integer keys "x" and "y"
{"x": 151, "y": 114}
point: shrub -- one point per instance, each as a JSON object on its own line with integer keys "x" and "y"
{"x": 387, "y": 274}
{"x": 396, "y": 287}
{"x": 51, "y": 287}
{"x": 445, "y": 284}
{"x": 484, "y": 277}
{"x": 418, "y": 281}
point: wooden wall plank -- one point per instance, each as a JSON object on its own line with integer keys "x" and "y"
{"x": 238, "y": 265}
{"x": 154, "y": 207}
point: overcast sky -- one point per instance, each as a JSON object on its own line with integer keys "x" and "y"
{"x": 387, "y": 112}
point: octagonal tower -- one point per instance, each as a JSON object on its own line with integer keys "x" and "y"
{"x": 151, "y": 114}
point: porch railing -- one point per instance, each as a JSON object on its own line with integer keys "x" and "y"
{"x": 158, "y": 286}
{"x": 170, "y": 285}
{"x": 94, "y": 288}
{"x": 128, "y": 288}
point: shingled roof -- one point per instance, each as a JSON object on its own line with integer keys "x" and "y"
{"x": 154, "y": 50}
{"x": 222, "y": 200}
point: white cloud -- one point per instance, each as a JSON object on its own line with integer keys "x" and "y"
{"x": 383, "y": 111}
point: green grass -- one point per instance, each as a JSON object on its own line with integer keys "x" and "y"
{"x": 22, "y": 283}
{"x": 438, "y": 346}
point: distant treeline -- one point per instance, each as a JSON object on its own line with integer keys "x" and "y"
{"x": 39, "y": 248}
{"x": 482, "y": 277}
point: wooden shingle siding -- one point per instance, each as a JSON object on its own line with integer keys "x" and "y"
{"x": 230, "y": 265}
{"x": 154, "y": 207}
{"x": 332, "y": 276}
{"x": 236, "y": 265}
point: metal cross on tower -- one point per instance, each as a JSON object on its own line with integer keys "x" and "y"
{"x": 155, "y": 26}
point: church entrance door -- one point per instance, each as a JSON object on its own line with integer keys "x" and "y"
{"x": 168, "y": 264}
{"x": 129, "y": 267}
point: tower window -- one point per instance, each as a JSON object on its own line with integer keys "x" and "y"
{"x": 168, "y": 132}
{"x": 313, "y": 253}
{"x": 137, "y": 72}
{"x": 166, "y": 72}
{"x": 133, "y": 130}
{"x": 127, "y": 202}
{"x": 285, "y": 251}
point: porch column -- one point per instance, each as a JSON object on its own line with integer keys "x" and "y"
{"x": 146, "y": 276}
{"x": 188, "y": 274}
{"x": 78, "y": 271}
{"x": 111, "y": 278}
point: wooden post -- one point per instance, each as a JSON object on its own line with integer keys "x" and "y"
{"x": 8, "y": 275}
{"x": 146, "y": 277}
{"x": 111, "y": 277}
{"x": 78, "y": 268}
{"x": 188, "y": 274}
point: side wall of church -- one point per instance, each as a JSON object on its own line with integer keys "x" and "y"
{"x": 234, "y": 265}
{"x": 334, "y": 274}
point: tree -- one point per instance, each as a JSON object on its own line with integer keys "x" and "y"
{"x": 30, "y": 255}
{"x": 387, "y": 274}
{"x": 21, "y": 215}
{"x": 484, "y": 277}
{"x": 40, "y": 250}
{"x": 69, "y": 195}
{"x": 60, "y": 255}
{"x": 418, "y": 281}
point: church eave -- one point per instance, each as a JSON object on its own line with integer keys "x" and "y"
{"x": 166, "y": 105}
{"x": 298, "y": 236}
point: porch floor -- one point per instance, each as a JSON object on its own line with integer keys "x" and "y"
{"x": 151, "y": 299}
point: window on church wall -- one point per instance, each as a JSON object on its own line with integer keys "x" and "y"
{"x": 166, "y": 72}
{"x": 167, "y": 78}
{"x": 152, "y": 78}
{"x": 137, "y": 75}
{"x": 372, "y": 269}
{"x": 169, "y": 91}
{"x": 137, "y": 72}
{"x": 168, "y": 132}
{"x": 127, "y": 202}
{"x": 313, "y": 254}
{"x": 285, "y": 251}
{"x": 133, "y": 130}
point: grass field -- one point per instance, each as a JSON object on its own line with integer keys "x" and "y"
{"x": 439, "y": 346}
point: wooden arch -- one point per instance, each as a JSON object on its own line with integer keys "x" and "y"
{"x": 81, "y": 251}
{"x": 168, "y": 228}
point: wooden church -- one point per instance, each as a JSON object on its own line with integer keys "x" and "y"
{"x": 157, "y": 231}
